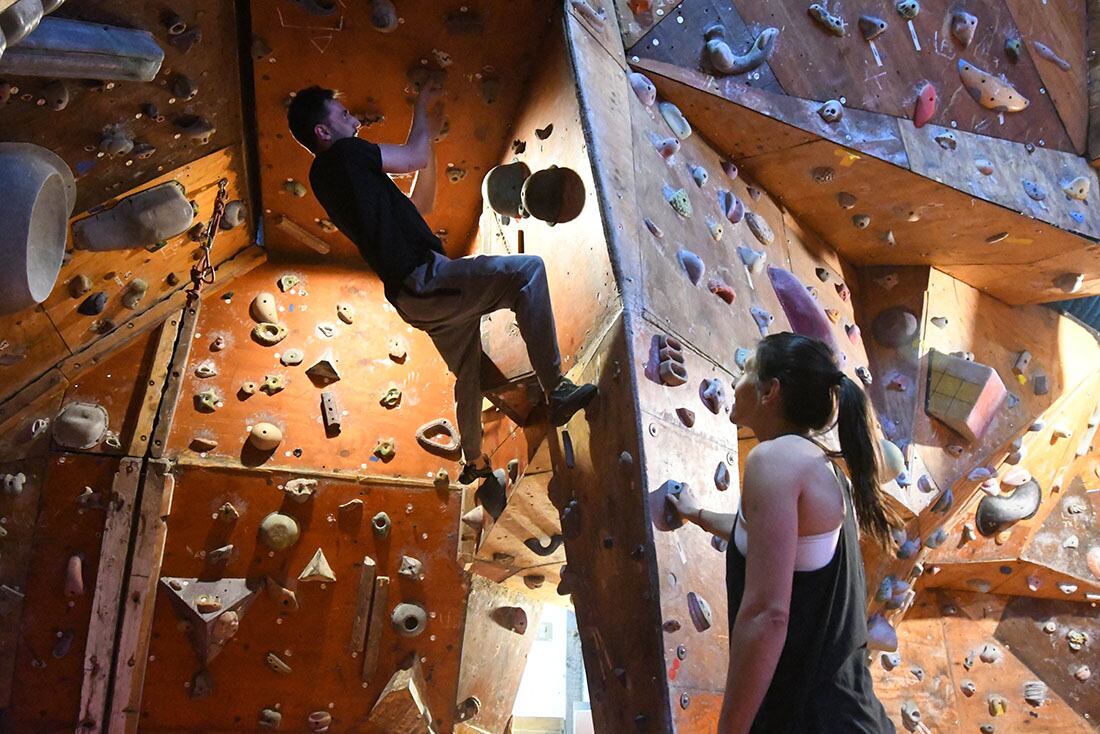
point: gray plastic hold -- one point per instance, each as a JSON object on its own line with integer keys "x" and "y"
{"x": 74, "y": 49}
{"x": 724, "y": 60}
{"x": 80, "y": 426}
{"x": 19, "y": 20}
{"x": 155, "y": 214}
{"x": 409, "y": 619}
{"x": 995, "y": 514}
{"x": 234, "y": 214}
{"x": 133, "y": 293}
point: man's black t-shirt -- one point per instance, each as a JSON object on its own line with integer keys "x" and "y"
{"x": 366, "y": 205}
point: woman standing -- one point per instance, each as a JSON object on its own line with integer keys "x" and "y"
{"x": 794, "y": 573}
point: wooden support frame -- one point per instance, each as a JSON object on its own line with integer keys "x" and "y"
{"x": 1092, "y": 46}
{"x": 154, "y": 386}
{"x": 154, "y": 508}
{"x": 110, "y": 581}
{"x": 171, "y": 392}
{"x": 378, "y": 615}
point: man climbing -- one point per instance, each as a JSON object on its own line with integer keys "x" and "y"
{"x": 441, "y": 296}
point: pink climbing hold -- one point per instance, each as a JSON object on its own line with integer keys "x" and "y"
{"x": 731, "y": 206}
{"x": 926, "y": 105}
{"x": 842, "y": 291}
{"x": 853, "y": 332}
{"x": 803, "y": 311}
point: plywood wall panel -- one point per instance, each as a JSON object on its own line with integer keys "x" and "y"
{"x": 332, "y": 50}
{"x": 366, "y": 369}
{"x": 314, "y": 639}
{"x": 94, "y": 107}
{"x": 812, "y": 64}
{"x": 47, "y": 684}
{"x": 634, "y": 25}
{"x": 31, "y": 346}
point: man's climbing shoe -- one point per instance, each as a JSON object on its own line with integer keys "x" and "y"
{"x": 566, "y": 399}
{"x": 471, "y": 472}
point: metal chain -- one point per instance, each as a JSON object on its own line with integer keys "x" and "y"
{"x": 202, "y": 273}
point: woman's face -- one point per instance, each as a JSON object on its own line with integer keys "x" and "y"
{"x": 746, "y": 398}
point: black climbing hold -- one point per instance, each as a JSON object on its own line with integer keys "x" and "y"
{"x": 93, "y": 304}
{"x": 491, "y": 494}
{"x": 539, "y": 549}
{"x": 997, "y": 513}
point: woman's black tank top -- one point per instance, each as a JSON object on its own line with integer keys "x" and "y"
{"x": 821, "y": 683}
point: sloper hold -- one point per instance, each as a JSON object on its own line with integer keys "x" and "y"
{"x": 995, "y": 514}
{"x": 153, "y": 215}
{"x": 871, "y": 26}
{"x": 832, "y": 23}
{"x": 324, "y": 369}
{"x": 80, "y": 425}
{"x": 643, "y": 88}
{"x": 963, "y": 25}
{"x": 989, "y": 91}
{"x": 925, "y": 105}
{"x": 804, "y": 312}
{"x": 1046, "y": 52}
{"x": 724, "y": 60}
{"x": 212, "y": 609}
{"x": 763, "y": 319}
{"x": 964, "y": 395}
{"x": 675, "y": 119}
{"x": 759, "y": 227}
{"x": 692, "y": 264}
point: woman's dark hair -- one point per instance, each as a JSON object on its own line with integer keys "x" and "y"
{"x": 306, "y": 110}
{"x": 813, "y": 389}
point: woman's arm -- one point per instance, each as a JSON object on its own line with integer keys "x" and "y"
{"x": 718, "y": 523}
{"x": 769, "y": 500}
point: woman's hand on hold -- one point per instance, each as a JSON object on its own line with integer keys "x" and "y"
{"x": 685, "y": 504}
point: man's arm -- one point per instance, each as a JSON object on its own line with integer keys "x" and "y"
{"x": 415, "y": 153}
{"x": 423, "y": 189}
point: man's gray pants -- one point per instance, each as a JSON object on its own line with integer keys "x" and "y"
{"x": 447, "y": 298}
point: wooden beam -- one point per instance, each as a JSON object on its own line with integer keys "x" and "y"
{"x": 110, "y": 579}
{"x": 362, "y": 605}
{"x": 140, "y": 597}
{"x": 1092, "y": 47}
{"x": 379, "y": 613}
{"x": 173, "y": 383}
{"x": 53, "y": 380}
{"x": 301, "y": 234}
{"x": 153, "y": 388}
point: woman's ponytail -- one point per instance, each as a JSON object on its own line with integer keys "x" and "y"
{"x": 861, "y": 454}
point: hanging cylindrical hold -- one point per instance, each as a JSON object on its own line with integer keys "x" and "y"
{"x": 74, "y": 576}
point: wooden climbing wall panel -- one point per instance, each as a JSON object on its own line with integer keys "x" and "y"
{"x": 56, "y": 333}
{"x": 495, "y": 644}
{"x": 549, "y": 132}
{"x": 314, "y": 640}
{"x": 484, "y": 86}
{"x": 74, "y": 133}
{"x": 362, "y": 349}
{"x": 48, "y": 527}
{"x": 636, "y": 17}
{"x": 989, "y": 247}
{"x": 885, "y": 75}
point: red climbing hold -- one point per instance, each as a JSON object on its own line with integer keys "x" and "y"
{"x": 722, "y": 290}
{"x": 926, "y": 105}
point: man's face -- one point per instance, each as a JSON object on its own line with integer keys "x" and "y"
{"x": 338, "y": 123}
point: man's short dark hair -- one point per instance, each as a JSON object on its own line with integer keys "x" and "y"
{"x": 306, "y": 110}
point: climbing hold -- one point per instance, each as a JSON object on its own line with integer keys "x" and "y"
{"x": 893, "y": 461}
{"x": 963, "y": 25}
{"x": 391, "y": 398}
{"x": 182, "y": 87}
{"x": 56, "y": 95}
{"x": 80, "y": 425}
{"x": 715, "y": 229}
{"x": 12, "y": 484}
{"x": 871, "y": 26}
{"x": 880, "y": 635}
{"x": 910, "y": 716}
{"x": 201, "y": 129}
{"x": 541, "y": 549}
{"x": 278, "y": 531}
{"x": 93, "y": 304}
{"x": 947, "y": 140}
{"x": 318, "y": 569}
{"x": 670, "y": 356}
{"x": 300, "y": 490}
{"x": 907, "y": 9}
{"x": 925, "y": 105}
{"x": 1069, "y": 282}
{"x": 409, "y": 619}
{"x": 667, "y": 147}
{"x": 832, "y": 23}
{"x": 730, "y": 169}
{"x": 292, "y": 357}
{"x": 731, "y": 206}
{"x": 234, "y": 215}
{"x": 675, "y": 119}
{"x": 831, "y": 111}
{"x": 269, "y": 334}
{"x": 653, "y": 228}
{"x": 699, "y": 175}
{"x": 679, "y": 201}
{"x": 699, "y": 609}
{"x": 286, "y": 282}
{"x": 989, "y": 91}
{"x": 265, "y": 436}
{"x": 686, "y": 416}
{"x": 1034, "y": 190}
{"x": 995, "y": 514}
{"x": 861, "y": 221}
{"x": 380, "y": 523}
{"x": 762, "y": 318}
{"x": 722, "y": 289}
{"x": 263, "y": 309}
{"x": 295, "y": 188}
{"x": 1046, "y": 52}
{"x": 723, "y": 59}
{"x": 968, "y": 412}
{"x": 385, "y": 448}
{"x": 759, "y": 227}
{"x": 998, "y": 705}
{"x": 511, "y": 618}
{"x": 276, "y": 663}
{"x": 115, "y": 142}
{"x": 754, "y": 260}
{"x": 1078, "y": 188}
{"x": 722, "y": 477}
{"x": 324, "y": 370}
{"x": 713, "y": 394}
{"x": 270, "y": 719}
{"x": 804, "y": 312}
{"x": 383, "y": 16}
{"x": 272, "y": 384}
{"x": 845, "y": 200}
{"x": 643, "y": 88}
{"x": 320, "y": 721}
{"x": 864, "y": 375}
{"x": 822, "y": 174}
{"x": 895, "y": 327}
{"x": 438, "y": 437}
{"x": 692, "y": 264}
